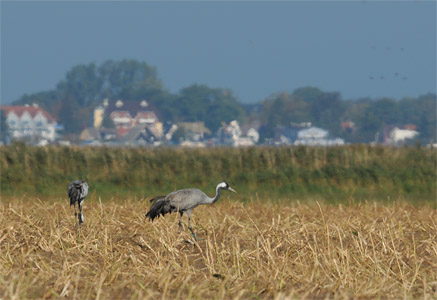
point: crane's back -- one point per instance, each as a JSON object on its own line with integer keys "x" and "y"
{"x": 77, "y": 191}
{"x": 186, "y": 199}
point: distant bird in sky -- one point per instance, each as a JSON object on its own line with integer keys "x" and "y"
{"x": 77, "y": 191}
{"x": 184, "y": 201}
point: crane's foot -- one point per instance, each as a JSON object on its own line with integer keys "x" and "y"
{"x": 195, "y": 236}
{"x": 192, "y": 233}
{"x": 196, "y": 240}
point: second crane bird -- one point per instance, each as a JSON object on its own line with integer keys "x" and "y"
{"x": 77, "y": 191}
{"x": 184, "y": 201}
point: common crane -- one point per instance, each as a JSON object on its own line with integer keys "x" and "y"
{"x": 183, "y": 201}
{"x": 77, "y": 191}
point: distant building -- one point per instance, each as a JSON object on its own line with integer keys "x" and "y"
{"x": 312, "y": 133}
{"x": 250, "y": 132}
{"x": 126, "y": 114}
{"x": 92, "y": 135}
{"x": 141, "y": 135}
{"x": 231, "y": 134}
{"x": 287, "y": 135}
{"x": 410, "y": 127}
{"x": 315, "y": 136}
{"x": 31, "y": 124}
{"x": 99, "y": 114}
{"x": 348, "y": 126}
{"x": 398, "y": 136}
{"x": 194, "y": 131}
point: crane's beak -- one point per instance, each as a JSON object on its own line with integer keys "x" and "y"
{"x": 232, "y": 190}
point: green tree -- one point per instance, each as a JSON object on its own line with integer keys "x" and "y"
{"x": 212, "y": 106}
{"x": 82, "y": 83}
{"x": 305, "y": 105}
{"x": 87, "y": 85}
{"x": 71, "y": 115}
{"x": 4, "y": 128}
{"x": 308, "y": 94}
{"x": 128, "y": 79}
{"x": 280, "y": 110}
{"x": 327, "y": 111}
{"x": 422, "y": 113}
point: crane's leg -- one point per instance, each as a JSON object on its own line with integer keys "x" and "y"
{"x": 75, "y": 211}
{"x": 80, "y": 213}
{"x": 189, "y": 225}
{"x": 180, "y": 222}
{"x": 76, "y": 215}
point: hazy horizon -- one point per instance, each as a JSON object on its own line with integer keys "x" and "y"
{"x": 359, "y": 49}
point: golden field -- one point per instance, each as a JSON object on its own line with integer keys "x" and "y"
{"x": 259, "y": 249}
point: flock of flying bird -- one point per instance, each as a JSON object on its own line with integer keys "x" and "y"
{"x": 181, "y": 201}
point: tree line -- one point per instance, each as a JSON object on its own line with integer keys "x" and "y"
{"x": 86, "y": 85}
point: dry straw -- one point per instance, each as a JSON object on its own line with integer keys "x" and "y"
{"x": 250, "y": 251}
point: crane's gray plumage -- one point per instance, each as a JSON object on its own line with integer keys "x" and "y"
{"x": 77, "y": 191}
{"x": 183, "y": 201}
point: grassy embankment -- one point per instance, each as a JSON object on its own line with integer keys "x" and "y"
{"x": 335, "y": 174}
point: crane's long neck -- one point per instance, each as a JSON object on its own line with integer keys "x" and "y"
{"x": 216, "y": 197}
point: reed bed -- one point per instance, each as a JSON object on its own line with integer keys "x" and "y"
{"x": 254, "y": 250}
{"x": 337, "y": 174}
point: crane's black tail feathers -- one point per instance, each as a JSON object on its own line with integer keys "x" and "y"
{"x": 160, "y": 206}
{"x": 156, "y": 198}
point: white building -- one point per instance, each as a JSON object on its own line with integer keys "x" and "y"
{"x": 233, "y": 135}
{"x": 315, "y": 136}
{"x": 398, "y": 136}
{"x": 30, "y": 123}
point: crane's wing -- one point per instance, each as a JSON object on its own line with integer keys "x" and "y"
{"x": 84, "y": 190}
{"x": 77, "y": 191}
{"x": 185, "y": 199}
{"x": 181, "y": 201}
{"x": 160, "y": 206}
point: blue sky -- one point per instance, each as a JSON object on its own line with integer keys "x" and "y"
{"x": 255, "y": 48}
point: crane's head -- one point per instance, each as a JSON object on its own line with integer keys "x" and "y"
{"x": 225, "y": 186}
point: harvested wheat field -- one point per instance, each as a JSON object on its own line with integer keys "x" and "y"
{"x": 248, "y": 251}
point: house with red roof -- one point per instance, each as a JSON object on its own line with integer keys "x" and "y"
{"x": 126, "y": 115}
{"x": 30, "y": 123}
